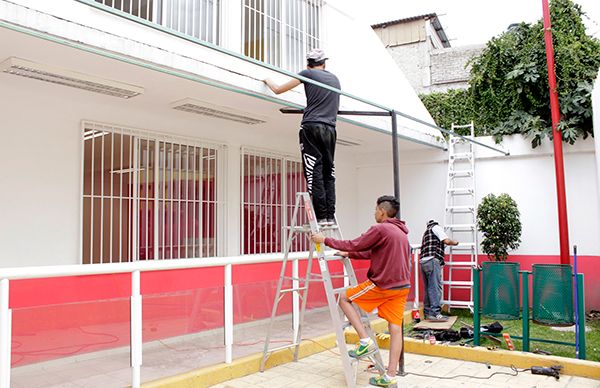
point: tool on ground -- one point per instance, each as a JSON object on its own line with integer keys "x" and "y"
{"x": 508, "y": 341}
{"x": 300, "y": 286}
{"x": 553, "y": 371}
{"x": 460, "y": 220}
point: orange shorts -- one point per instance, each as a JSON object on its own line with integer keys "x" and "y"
{"x": 389, "y": 303}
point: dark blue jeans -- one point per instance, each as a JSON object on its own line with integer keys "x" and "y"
{"x": 432, "y": 287}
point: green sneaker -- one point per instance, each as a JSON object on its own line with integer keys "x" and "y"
{"x": 363, "y": 350}
{"x": 381, "y": 381}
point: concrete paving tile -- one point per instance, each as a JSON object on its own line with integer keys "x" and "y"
{"x": 581, "y": 382}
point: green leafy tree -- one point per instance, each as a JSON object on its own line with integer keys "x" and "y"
{"x": 498, "y": 220}
{"x": 508, "y": 89}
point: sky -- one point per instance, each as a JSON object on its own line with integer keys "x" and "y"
{"x": 469, "y": 22}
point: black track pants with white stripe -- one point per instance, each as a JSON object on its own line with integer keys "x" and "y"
{"x": 317, "y": 145}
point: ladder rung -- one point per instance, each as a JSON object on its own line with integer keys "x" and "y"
{"x": 460, "y": 226}
{"x": 460, "y": 263}
{"x": 292, "y": 289}
{"x": 461, "y": 191}
{"x": 463, "y": 248}
{"x": 281, "y": 347}
{"x": 460, "y": 209}
{"x": 455, "y": 283}
{"x": 457, "y": 303}
{"x": 293, "y": 278}
{"x": 307, "y": 228}
{"x": 462, "y": 155}
{"x": 461, "y": 173}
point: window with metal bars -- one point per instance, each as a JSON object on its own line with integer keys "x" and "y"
{"x": 146, "y": 197}
{"x": 196, "y": 18}
{"x": 269, "y": 186}
{"x": 281, "y": 32}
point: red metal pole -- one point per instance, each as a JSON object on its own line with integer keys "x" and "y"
{"x": 563, "y": 225}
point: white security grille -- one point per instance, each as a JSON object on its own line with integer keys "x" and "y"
{"x": 281, "y": 32}
{"x": 269, "y": 184}
{"x": 196, "y": 18}
{"x": 146, "y": 197}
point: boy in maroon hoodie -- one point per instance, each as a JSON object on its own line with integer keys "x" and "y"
{"x": 386, "y": 245}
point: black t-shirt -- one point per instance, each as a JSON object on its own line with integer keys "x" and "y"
{"x": 322, "y": 105}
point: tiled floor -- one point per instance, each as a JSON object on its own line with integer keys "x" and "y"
{"x": 324, "y": 370}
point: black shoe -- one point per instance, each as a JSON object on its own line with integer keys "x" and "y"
{"x": 323, "y": 222}
{"x": 331, "y": 221}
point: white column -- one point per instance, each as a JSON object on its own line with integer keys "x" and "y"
{"x": 232, "y": 176}
{"x": 295, "y": 299}
{"x": 136, "y": 330}
{"x": 5, "y": 335}
{"x": 596, "y": 125}
{"x": 228, "y": 315}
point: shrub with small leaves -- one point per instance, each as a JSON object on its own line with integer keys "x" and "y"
{"x": 498, "y": 220}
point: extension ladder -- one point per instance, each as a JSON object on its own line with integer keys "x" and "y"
{"x": 300, "y": 286}
{"x": 460, "y": 220}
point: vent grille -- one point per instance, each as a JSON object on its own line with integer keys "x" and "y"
{"x": 27, "y": 69}
{"x": 219, "y": 112}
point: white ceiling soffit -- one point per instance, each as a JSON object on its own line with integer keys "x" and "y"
{"x": 56, "y": 75}
{"x": 216, "y": 111}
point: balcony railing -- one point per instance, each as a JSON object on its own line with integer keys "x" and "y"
{"x": 195, "y": 18}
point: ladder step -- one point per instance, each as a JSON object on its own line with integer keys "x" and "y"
{"x": 461, "y": 191}
{"x": 460, "y": 264}
{"x": 462, "y": 247}
{"x": 282, "y": 347}
{"x": 460, "y": 227}
{"x": 307, "y": 229}
{"x": 460, "y": 209}
{"x": 293, "y": 278}
{"x": 453, "y": 303}
{"x": 457, "y": 284}
{"x": 461, "y": 156}
{"x": 292, "y": 289}
{"x": 461, "y": 173}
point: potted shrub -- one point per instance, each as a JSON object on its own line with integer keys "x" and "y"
{"x": 498, "y": 220}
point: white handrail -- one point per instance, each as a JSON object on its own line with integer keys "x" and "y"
{"x": 13, "y": 273}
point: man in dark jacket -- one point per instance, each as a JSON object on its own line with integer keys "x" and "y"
{"x": 386, "y": 245}
{"x": 317, "y": 133}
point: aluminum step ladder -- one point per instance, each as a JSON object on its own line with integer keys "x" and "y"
{"x": 300, "y": 286}
{"x": 460, "y": 220}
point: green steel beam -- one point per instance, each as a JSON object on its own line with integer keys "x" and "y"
{"x": 525, "y": 305}
{"x": 581, "y": 313}
{"x": 476, "y": 306}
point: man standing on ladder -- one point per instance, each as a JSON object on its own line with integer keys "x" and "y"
{"x": 317, "y": 133}
{"x": 432, "y": 261}
{"x": 386, "y": 245}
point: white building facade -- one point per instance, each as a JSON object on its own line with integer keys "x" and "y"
{"x": 108, "y": 178}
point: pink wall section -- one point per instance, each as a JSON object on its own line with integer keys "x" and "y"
{"x": 59, "y": 317}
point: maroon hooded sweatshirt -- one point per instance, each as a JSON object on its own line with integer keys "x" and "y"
{"x": 386, "y": 245}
